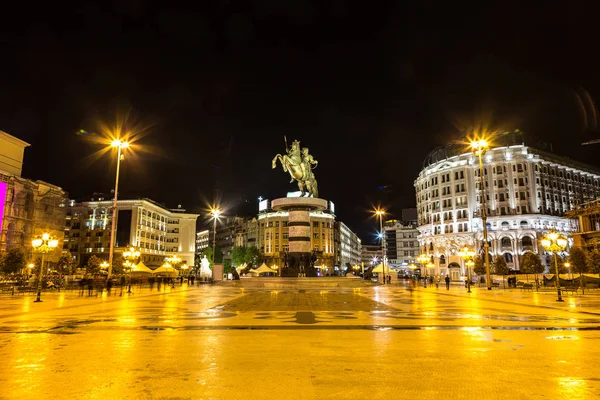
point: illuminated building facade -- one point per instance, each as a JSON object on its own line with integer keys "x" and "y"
{"x": 347, "y": 247}
{"x": 402, "y": 244}
{"x": 27, "y": 208}
{"x": 528, "y": 191}
{"x": 202, "y": 241}
{"x": 159, "y": 232}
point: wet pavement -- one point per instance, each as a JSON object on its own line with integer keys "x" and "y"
{"x": 218, "y": 342}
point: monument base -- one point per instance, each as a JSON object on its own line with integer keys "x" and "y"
{"x": 299, "y": 263}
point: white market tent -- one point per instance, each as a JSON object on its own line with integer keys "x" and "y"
{"x": 140, "y": 268}
{"x": 165, "y": 269}
{"x": 263, "y": 269}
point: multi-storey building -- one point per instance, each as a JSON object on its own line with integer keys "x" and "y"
{"x": 402, "y": 245}
{"x": 370, "y": 254}
{"x": 227, "y": 232}
{"x": 274, "y": 236}
{"x": 159, "y": 232}
{"x": 27, "y": 208}
{"x": 202, "y": 241}
{"x": 527, "y": 193}
{"x": 347, "y": 246}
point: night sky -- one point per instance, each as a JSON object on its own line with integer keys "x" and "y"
{"x": 370, "y": 87}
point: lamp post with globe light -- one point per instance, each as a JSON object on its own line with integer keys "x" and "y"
{"x": 130, "y": 255}
{"x": 379, "y": 213}
{"x": 43, "y": 244}
{"x": 480, "y": 147}
{"x": 467, "y": 255}
{"x": 424, "y": 259}
{"x": 555, "y": 242}
{"x": 120, "y": 145}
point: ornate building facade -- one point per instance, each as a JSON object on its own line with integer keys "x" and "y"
{"x": 528, "y": 191}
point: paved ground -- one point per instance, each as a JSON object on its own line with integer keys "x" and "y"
{"x": 230, "y": 342}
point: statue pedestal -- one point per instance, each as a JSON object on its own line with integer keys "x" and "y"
{"x": 300, "y": 252}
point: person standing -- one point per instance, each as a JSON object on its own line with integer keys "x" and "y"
{"x": 447, "y": 279}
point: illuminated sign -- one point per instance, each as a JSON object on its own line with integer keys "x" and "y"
{"x": 331, "y": 207}
{"x": 263, "y": 205}
{"x": 294, "y": 194}
{"x": 3, "y": 190}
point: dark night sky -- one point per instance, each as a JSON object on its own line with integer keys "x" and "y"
{"x": 369, "y": 87}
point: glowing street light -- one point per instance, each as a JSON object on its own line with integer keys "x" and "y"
{"x": 467, "y": 255}
{"x": 379, "y": 213}
{"x": 480, "y": 147}
{"x": 555, "y": 242}
{"x": 43, "y": 244}
{"x": 120, "y": 145}
{"x": 130, "y": 255}
{"x": 216, "y": 213}
{"x": 568, "y": 266}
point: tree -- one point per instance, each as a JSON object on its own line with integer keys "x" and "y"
{"x": 218, "y": 255}
{"x": 226, "y": 266}
{"x": 252, "y": 255}
{"x": 593, "y": 262}
{"x": 13, "y": 261}
{"x": 93, "y": 265}
{"x": 530, "y": 264}
{"x": 578, "y": 260}
{"x": 500, "y": 266}
{"x": 479, "y": 267}
{"x": 561, "y": 268}
{"x": 238, "y": 255}
{"x": 66, "y": 265}
{"x": 117, "y": 265}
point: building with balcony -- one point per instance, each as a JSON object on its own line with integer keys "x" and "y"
{"x": 159, "y": 232}
{"x": 402, "y": 244}
{"x": 28, "y": 208}
{"x": 585, "y": 223}
{"x": 370, "y": 255}
{"x": 528, "y": 191}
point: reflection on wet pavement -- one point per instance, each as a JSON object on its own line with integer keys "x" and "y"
{"x": 213, "y": 342}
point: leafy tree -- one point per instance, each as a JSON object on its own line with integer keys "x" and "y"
{"x": 66, "y": 265}
{"x": 561, "y": 268}
{"x": 252, "y": 255}
{"x": 13, "y": 261}
{"x": 500, "y": 266}
{"x": 218, "y": 255}
{"x": 226, "y": 266}
{"x": 593, "y": 262}
{"x": 238, "y": 255}
{"x": 530, "y": 263}
{"x": 117, "y": 265}
{"x": 93, "y": 265}
{"x": 479, "y": 267}
{"x": 579, "y": 264}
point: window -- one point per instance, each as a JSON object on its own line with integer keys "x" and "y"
{"x": 285, "y": 235}
{"x": 315, "y": 224}
{"x": 505, "y": 242}
{"x": 315, "y": 236}
{"x": 526, "y": 241}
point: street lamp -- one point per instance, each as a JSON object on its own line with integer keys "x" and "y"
{"x": 467, "y": 255}
{"x": 424, "y": 259}
{"x": 216, "y": 213}
{"x": 120, "y": 145}
{"x": 130, "y": 255}
{"x": 43, "y": 244}
{"x": 568, "y": 266}
{"x": 555, "y": 242}
{"x": 379, "y": 213}
{"x": 479, "y": 147}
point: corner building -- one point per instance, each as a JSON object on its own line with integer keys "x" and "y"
{"x": 528, "y": 191}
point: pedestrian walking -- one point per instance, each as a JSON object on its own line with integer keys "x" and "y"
{"x": 82, "y": 287}
{"x": 90, "y": 284}
{"x": 447, "y": 279}
{"x": 108, "y": 287}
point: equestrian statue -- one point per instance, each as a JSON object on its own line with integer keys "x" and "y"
{"x": 299, "y": 163}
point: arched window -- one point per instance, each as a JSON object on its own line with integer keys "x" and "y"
{"x": 526, "y": 241}
{"x": 505, "y": 224}
{"x": 442, "y": 259}
{"x": 508, "y": 257}
{"x": 506, "y": 242}
{"x": 524, "y": 224}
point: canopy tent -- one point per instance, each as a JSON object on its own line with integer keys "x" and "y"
{"x": 379, "y": 269}
{"x": 140, "y": 268}
{"x": 263, "y": 269}
{"x": 165, "y": 269}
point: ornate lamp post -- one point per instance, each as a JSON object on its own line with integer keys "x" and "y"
{"x": 120, "y": 146}
{"x": 424, "y": 259}
{"x": 172, "y": 261}
{"x": 130, "y": 255}
{"x": 568, "y": 266}
{"x": 379, "y": 213}
{"x": 43, "y": 244}
{"x": 479, "y": 148}
{"x": 555, "y": 242}
{"x": 184, "y": 267}
{"x": 467, "y": 255}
